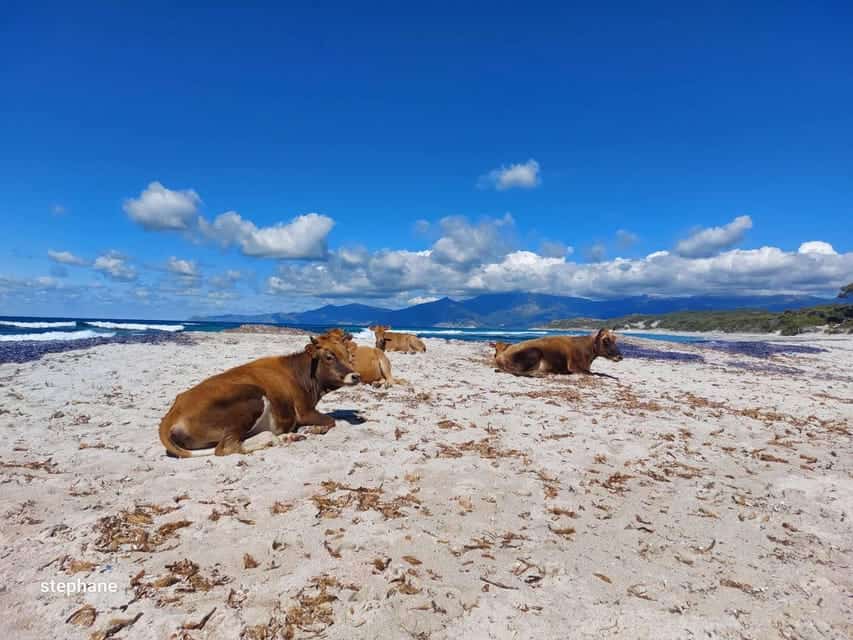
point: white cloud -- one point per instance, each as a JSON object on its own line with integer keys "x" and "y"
{"x": 304, "y": 237}
{"x": 161, "y": 209}
{"x": 48, "y": 282}
{"x": 447, "y": 268}
{"x": 114, "y": 265}
{"x": 708, "y": 242}
{"x": 187, "y": 268}
{"x": 58, "y": 209}
{"x": 555, "y": 249}
{"x": 626, "y": 239}
{"x": 226, "y": 280}
{"x": 522, "y": 176}
{"x": 817, "y": 247}
{"x": 596, "y": 252}
{"x": 65, "y": 257}
{"x": 463, "y": 243}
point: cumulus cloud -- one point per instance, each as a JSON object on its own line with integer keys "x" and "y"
{"x": 186, "y": 268}
{"x": 704, "y": 243}
{"x": 226, "y": 280}
{"x": 304, "y": 237}
{"x": 555, "y": 249}
{"x": 160, "y": 209}
{"x": 521, "y": 176}
{"x": 463, "y": 243}
{"x": 399, "y": 275}
{"x": 114, "y": 266}
{"x": 595, "y": 252}
{"x": 626, "y": 239}
{"x": 817, "y": 247}
{"x": 65, "y": 257}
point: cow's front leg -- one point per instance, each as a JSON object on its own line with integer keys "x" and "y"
{"x": 312, "y": 417}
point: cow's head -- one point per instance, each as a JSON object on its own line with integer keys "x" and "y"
{"x": 499, "y": 347}
{"x": 346, "y": 338}
{"x": 605, "y": 345}
{"x": 331, "y": 362}
{"x": 379, "y": 331}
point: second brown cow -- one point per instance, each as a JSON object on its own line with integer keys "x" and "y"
{"x": 556, "y": 354}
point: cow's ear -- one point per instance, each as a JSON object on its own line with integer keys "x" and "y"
{"x": 311, "y": 347}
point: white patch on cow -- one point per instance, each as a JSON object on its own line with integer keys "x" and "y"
{"x": 266, "y": 421}
{"x": 351, "y": 378}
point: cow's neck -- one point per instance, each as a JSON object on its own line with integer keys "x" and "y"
{"x": 588, "y": 343}
{"x": 301, "y": 365}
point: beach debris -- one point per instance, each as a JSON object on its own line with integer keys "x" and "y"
{"x": 603, "y": 578}
{"x": 616, "y": 482}
{"x": 184, "y": 575}
{"x": 495, "y": 583}
{"x": 279, "y": 508}
{"x": 114, "y": 626}
{"x": 197, "y": 626}
{"x": 249, "y": 562}
{"x": 639, "y": 591}
{"x": 84, "y": 616}
{"x": 338, "y": 497}
{"x": 742, "y": 586}
{"x": 71, "y": 566}
{"x": 564, "y": 532}
{"x": 132, "y": 529}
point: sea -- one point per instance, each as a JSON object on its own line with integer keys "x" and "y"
{"x": 24, "y": 338}
{"x": 28, "y": 329}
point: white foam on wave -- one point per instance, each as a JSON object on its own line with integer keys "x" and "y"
{"x": 474, "y": 332}
{"x": 132, "y": 326}
{"x": 36, "y": 325}
{"x": 55, "y": 335}
{"x": 364, "y": 337}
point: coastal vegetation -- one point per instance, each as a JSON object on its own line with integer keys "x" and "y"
{"x": 833, "y": 318}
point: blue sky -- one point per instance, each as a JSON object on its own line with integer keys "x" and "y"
{"x": 446, "y": 149}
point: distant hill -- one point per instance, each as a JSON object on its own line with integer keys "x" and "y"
{"x": 837, "y": 318}
{"x": 514, "y": 310}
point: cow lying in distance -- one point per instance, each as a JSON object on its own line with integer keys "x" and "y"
{"x": 371, "y": 364}
{"x": 278, "y": 394}
{"x": 387, "y": 341}
{"x": 556, "y": 354}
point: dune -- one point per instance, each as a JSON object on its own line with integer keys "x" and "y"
{"x": 681, "y": 498}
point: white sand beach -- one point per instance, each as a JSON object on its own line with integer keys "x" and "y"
{"x": 676, "y": 500}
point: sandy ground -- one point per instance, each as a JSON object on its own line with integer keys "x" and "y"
{"x": 680, "y": 500}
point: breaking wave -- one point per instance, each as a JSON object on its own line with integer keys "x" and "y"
{"x": 37, "y": 325}
{"x": 55, "y": 335}
{"x": 133, "y": 326}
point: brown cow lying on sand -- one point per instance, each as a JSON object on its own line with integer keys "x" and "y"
{"x": 388, "y": 341}
{"x": 278, "y": 394}
{"x": 371, "y": 364}
{"x": 556, "y": 354}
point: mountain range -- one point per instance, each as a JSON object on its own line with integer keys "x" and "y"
{"x": 513, "y": 310}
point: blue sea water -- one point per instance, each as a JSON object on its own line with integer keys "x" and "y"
{"x": 25, "y": 338}
{"x": 28, "y": 329}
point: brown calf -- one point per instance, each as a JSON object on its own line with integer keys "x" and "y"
{"x": 278, "y": 394}
{"x": 388, "y": 341}
{"x": 556, "y": 354}
{"x": 371, "y": 364}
